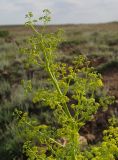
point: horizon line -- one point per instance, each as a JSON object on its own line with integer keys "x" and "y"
{"x": 54, "y": 24}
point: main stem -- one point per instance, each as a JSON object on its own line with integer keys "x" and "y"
{"x": 54, "y": 80}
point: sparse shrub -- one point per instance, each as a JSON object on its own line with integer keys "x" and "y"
{"x": 4, "y": 34}
{"x": 112, "y": 41}
{"x": 108, "y": 66}
{"x": 4, "y": 89}
{"x": 72, "y": 44}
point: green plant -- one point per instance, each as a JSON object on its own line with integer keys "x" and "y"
{"x": 108, "y": 66}
{"x": 4, "y": 34}
{"x": 71, "y": 98}
{"x": 108, "y": 149}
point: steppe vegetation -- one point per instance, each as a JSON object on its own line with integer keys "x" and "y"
{"x": 99, "y": 42}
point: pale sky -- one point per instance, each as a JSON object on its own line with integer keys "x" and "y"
{"x": 63, "y": 11}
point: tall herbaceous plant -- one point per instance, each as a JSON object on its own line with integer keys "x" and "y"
{"x": 71, "y": 97}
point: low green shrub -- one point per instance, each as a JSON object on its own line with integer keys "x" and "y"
{"x": 4, "y": 34}
{"x": 108, "y": 66}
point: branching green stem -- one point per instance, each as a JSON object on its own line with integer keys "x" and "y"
{"x": 51, "y": 139}
{"x": 54, "y": 80}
